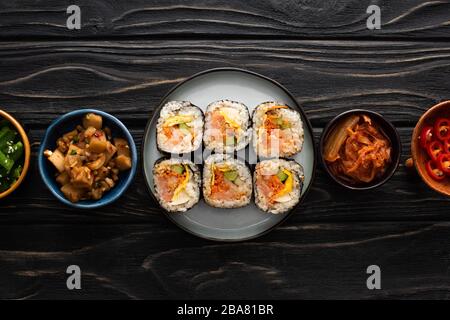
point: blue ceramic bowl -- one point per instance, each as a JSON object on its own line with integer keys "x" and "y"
{"x": 67, "y": 123}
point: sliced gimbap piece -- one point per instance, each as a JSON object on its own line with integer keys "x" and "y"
{"x": 227, "y": 126}
{"x": 278, "y": 185}
{"x": 177, "y": 184}
{"x": 277, "y": 130}
{"x": 227, "y": 182}
{"x": 179, "y": 128}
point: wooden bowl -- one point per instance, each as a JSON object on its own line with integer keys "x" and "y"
{"x": 419, "y": 156}
{"x": 27, "y": 152}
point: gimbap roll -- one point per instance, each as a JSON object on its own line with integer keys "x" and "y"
{"x": 278, "y": 185}
{"x": 179, "y": 128}
{"x": 227, "y": 126}
{"x": 277, "y": 130}
{"x": 177, "y": 184}
{"x": 227, "y": 182}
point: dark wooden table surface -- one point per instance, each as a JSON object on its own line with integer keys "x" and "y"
{"x": 128, "y": 54}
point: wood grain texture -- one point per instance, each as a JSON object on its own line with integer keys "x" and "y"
{"x": 212, "y": 18}
{"x": 156, "y": 261}
{"x": 42, "y": 80}
{"x": 128, "y": 54}
{"x": 39, "y": 80}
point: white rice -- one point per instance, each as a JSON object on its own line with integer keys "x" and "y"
{"x": 286, "y": 147}
{"x": 271, "y": 167}
{"x": 241, "y": 116}
{"x": 188, "y": 143}
{"x": 243, "y": 173}
{"x": 192, "y": 189}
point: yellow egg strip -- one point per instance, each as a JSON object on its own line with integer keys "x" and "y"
{"x": 276, "y": 107}
{"x": 183, "y": 184}
{"x": 172, "y": 121}
{"x": 230, "y": 121}
{"x": 288, "y": 184}
{"x": 222, "y": 168}
{"x": 212, "y": 174}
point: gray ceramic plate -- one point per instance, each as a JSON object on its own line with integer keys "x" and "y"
{"x": 251, "y": 89}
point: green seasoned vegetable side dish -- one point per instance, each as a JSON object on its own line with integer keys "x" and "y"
{"x": 11, "y": 151}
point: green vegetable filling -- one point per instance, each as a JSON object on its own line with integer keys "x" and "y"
{"x": 11, "y": 151}
{"x": 282, "y": 176}
{"x": 230, "y": 175}
{"x": 177, "y": 168}
{"x": 183, "y": 126}
{"x": 230, "y": 140}
{"x": 285, "y": 125}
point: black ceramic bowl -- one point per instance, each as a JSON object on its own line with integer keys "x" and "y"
{"x": 387, "y": 129}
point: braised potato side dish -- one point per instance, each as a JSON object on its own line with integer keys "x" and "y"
{"x": 88, "y": 160}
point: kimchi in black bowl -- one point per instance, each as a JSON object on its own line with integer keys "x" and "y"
{"x": 360, "y": 149}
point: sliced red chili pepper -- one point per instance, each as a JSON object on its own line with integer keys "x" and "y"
{"x": 442, "y": 129}
{"x": 444, "y": 163}
{"x": 447, "y": 146}
{"x": 426, "y": 136}
{"x": 434, "y": 172}
{"x": 435, "y": 149}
